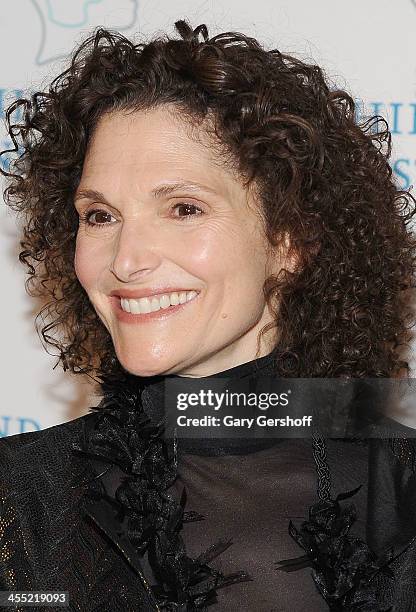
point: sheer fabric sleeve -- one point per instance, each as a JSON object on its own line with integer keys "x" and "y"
{"x": 15, "y": 570}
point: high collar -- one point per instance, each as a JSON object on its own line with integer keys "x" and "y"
{"x": 152, "y": 395}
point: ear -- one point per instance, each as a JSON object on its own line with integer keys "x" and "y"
{"x": 283, "y": 255}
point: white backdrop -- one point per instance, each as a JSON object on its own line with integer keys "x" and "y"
{"x": 368, "y": 47}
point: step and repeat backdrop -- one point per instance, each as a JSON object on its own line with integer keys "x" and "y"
{"x": 368, "y": 48}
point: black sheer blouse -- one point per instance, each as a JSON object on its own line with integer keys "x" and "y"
{"x": 245, "y": 492}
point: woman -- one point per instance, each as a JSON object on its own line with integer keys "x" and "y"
{"x": 235, "y": 184}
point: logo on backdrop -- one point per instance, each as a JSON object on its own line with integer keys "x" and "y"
{"x": 6, "y": 97}
{"x": 10, "y": 425}
{"x": 59, "y": 19}
{"x": 401, "y": 119}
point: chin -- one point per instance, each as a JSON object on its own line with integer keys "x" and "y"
{"x": 151, "y": 367}
{"x": 144, "y": 370}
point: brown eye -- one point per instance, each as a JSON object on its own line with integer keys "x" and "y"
{"x": 189, "y": 208}
{"x": 101, "y": 218}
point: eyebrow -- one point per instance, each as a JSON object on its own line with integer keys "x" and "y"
{"x": 158, "y": 192}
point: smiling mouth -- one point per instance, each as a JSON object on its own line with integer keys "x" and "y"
{"x": 166, "y": 309}
{"x": 156, "y": 303}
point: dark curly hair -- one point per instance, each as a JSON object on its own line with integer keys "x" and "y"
{"x": 321, "y": 177}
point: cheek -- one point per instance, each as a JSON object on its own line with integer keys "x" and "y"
{"x": 85, "y": 264}
{"x": 213, "y": 262}
{"x": 234, "y": 265}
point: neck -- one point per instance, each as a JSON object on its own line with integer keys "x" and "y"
{"x": 152, "y": 397}
{"x": 205, "y": 369}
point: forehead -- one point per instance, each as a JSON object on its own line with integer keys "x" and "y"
{"x": 130, "y": 155}
{"x": 150, "y": 142}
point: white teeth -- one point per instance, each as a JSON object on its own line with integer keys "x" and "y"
{"x": 174, "y": 299}
{"x": 134, "y": 306}
{"x": 125, "y": 305}
{"x": 154, "y": 303}
{"x": 164, "y": 301}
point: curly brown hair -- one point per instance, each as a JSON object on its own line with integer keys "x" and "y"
{"x": 321, "y": 177}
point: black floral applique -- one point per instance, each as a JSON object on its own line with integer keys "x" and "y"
{"x": 124, "y": 435}
{"x": 345, "y": 570}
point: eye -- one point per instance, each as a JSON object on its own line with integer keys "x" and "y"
{"x": 99, "y": 222}
{"x": 98, "y": 218}
{"x": 188, "y": 206}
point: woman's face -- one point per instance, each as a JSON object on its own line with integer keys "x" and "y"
{"x": 167, "y": 220}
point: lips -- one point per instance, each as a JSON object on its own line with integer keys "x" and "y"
{"x": 142, "y": 318}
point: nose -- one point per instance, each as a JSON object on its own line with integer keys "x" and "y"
{"x": 135, "y": 255}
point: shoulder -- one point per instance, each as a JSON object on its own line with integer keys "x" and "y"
{"x": 42, "y": 484}
{"x": 39, "y": 471}
{"x": 52, "y": 445}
